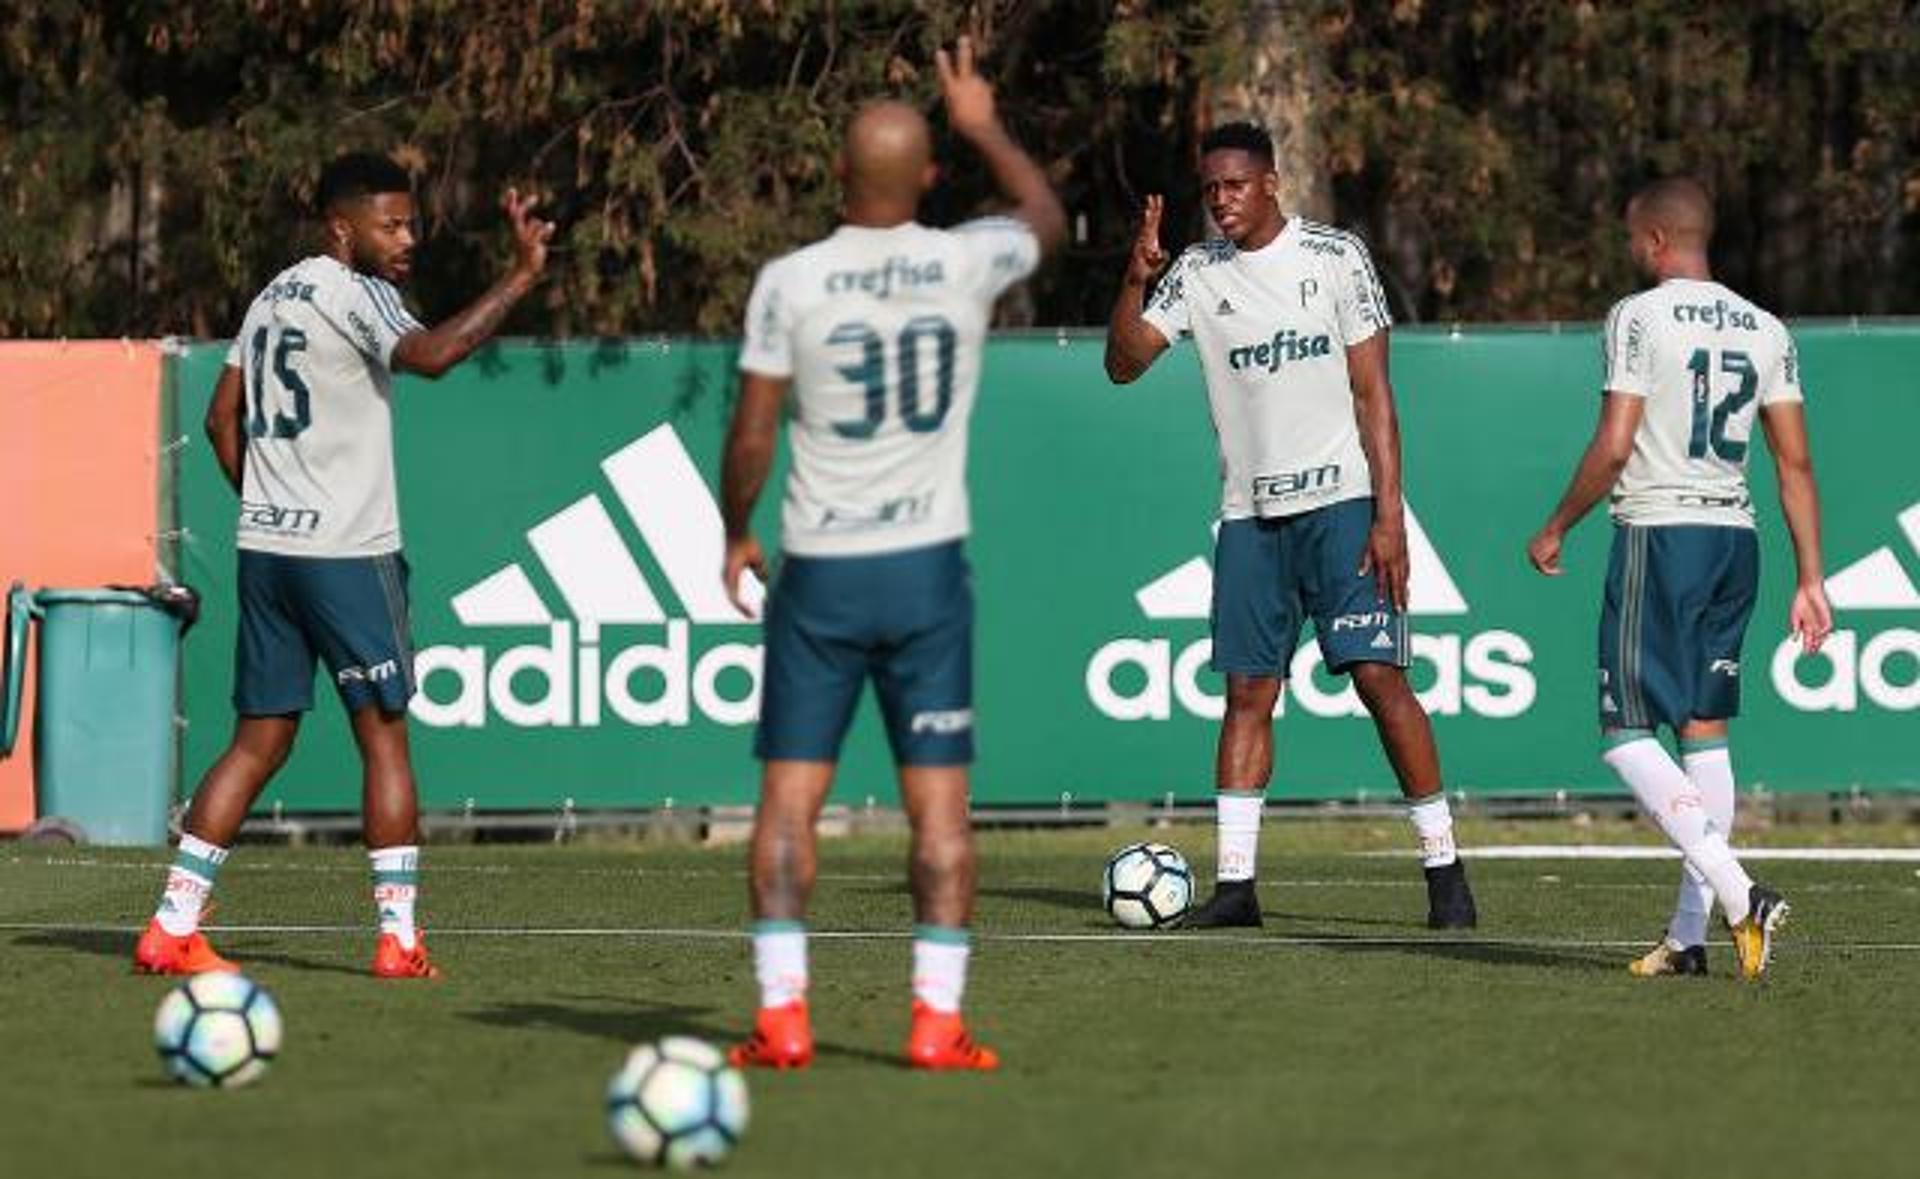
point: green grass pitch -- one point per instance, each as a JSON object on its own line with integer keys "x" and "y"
{"x": 1343, "y": 1040}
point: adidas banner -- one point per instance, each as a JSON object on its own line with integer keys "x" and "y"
{"x": 574, "y": 642}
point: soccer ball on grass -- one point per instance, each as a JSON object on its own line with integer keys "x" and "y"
{"x": 217, "y": 1031}
{"x": 1147, "y": 886}
{"x": 677, "y": 1103}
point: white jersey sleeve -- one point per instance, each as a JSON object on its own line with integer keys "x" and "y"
{"x": 767, "y": 342}
{"x": 1166, "y": 309}
{"x": 1004, "y": 250}
{"x": 1627, "y": 347}
{"x": 1781, "y": 382}
{"x": 368, "y": 312}
{"x": 1360, "y": 304}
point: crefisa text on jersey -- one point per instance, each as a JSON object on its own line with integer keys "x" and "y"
{"x": 1718, "y": 315}
{"x": 898, "y": 271}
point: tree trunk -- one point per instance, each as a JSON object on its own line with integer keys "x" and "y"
{"x": 1281, "y": 83}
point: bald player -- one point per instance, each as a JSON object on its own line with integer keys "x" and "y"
{"x": 1689, "y": 364}
{"x": 871, "y": 340}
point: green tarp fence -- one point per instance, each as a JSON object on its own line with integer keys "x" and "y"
{"x": 536, "y": 472}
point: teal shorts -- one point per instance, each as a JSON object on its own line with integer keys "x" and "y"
{"x": 903, "y": 620}
{"x": 1270, "y": 576}
{"x": 1678, "y": 598}
{"x": 349, "y": 613}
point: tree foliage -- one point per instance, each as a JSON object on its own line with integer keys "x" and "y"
{"x": 157, "y": 156}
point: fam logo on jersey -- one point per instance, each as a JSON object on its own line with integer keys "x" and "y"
{"x": 1856, "y": 662}
{"x": 573, "y": 678}
{"x": 1487, "y": 673}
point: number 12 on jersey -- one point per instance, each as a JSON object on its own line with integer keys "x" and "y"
{"x": 1709, "y": 418}
{"x": 291, "y": 342}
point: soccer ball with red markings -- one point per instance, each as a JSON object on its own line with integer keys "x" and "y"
{"x": 1147, "y": 886}
{"x": 217, "y": 1031}
{"x": 677, "y": 1103}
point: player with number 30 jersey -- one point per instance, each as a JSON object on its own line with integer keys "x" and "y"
{"x": 870, "y": 342}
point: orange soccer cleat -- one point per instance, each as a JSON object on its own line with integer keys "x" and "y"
{"x": 160, "y": 952}
{"x": 939, "y": 1040}
{"x": 782, "y": 1038}
{"x": 392, "y": 960}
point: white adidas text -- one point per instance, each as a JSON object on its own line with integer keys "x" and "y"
{"x": 571, "y": 681}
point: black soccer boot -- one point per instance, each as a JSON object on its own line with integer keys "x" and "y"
{"x": 1233, "y": 905}
{"x": 1449, "y": 900}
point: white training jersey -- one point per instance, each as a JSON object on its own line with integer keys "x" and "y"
{"x": 1272, "y": 327}
{"x": 314, "y": 351}
{"x": 881, "y": 332}
{"x": 1704, "y": 360}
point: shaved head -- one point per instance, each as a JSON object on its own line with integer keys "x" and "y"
{"x": 888, "y": 152}
{"x": 1678, "y": 206}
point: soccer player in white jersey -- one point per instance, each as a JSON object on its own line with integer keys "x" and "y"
{"x": 1689, "y": 365}
{"x": 876, "y": 331}
{"x": 1290, "y": 325}
{"x": 301, "y": 422}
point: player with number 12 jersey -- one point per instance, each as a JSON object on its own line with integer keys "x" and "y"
{"x": 1690, "y": 367}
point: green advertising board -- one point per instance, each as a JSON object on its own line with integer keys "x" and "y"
{"x": 574, "y": 644}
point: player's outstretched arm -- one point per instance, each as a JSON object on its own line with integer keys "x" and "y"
{"x": 1599, "y": 469}
{"x": 225, "y": 418}
{"x": 751, "y": 441}
{"x": 1379, "y": 422}
{"x": 433, "y": 352}
{"x": 1810, "y": 616}
{"x": 1133, "y": 344}
{"x": 972, "y": 114}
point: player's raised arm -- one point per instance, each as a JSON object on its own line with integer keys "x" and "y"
{"x": 972, "y": 113}
{"x": 432, "y": 352}
{"x": 1133, "y": 344}
{"x": 1606, "y": 456}
{"x": 1785, "y": 423}
{"x": 225, "y": 428}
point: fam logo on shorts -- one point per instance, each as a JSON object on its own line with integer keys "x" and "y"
{"x": 581, "y": 552}
{"x": 1858, "y": 661}
{"x": 1486, "y": 673}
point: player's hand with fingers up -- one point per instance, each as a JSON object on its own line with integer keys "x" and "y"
{"x": 1544, "y": 551}
{"x": 1810, "y": 616}
{"x": 743, "y": 554}
{"x": 1386, "y": 559}
{"x": 530, "y": 234}
{"x": 970, "y": 106}
{"x": 1149, "y": 256}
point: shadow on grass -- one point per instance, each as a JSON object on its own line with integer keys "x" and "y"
{"x": 112, "y": 944}
{"x": 1492, "y": 952}
{"x": 633, "y": 1022}
{"x": 1077, "y": 899}
{"x": 1339, "y": 919}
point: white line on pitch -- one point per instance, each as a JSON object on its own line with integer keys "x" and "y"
{"x": 854, "y": 935}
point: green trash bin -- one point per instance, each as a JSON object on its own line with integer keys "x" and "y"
{"x": 104, "y": 729}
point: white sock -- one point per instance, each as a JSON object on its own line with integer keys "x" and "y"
{"x": 195, "y": 864}
{"x": 1671, "y": 799}
{"x": 1710, "y": 769}
{"x": 1433, "y": 826}
{"x": 1237, "y": 816}
{"x": 396, "y": 885}
{"x": 780, "y": 961}
{"x": 940, "y": 966}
